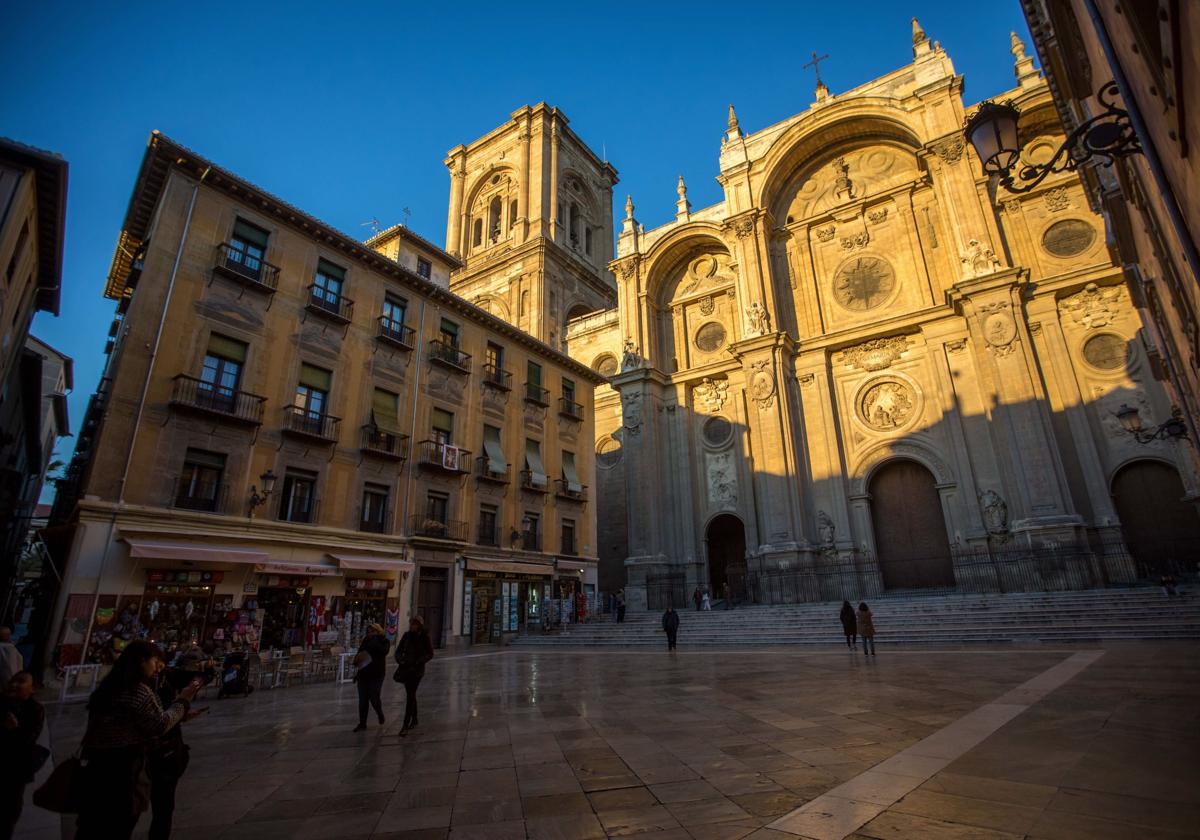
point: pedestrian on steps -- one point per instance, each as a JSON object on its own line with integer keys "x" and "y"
{"x": 670, "y": 623}
{"x": 696, "y": 598}
{"x": 866, "y": 629}
{"x": 727, "y": 594}
{"x": 620, "y": 605}
{"x": 371, "y": 660}
{"x": 705, "y": 601}
{"x": 849, "y": 625}
{"x": 413, "y": 651}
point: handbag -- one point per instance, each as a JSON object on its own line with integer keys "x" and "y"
{"x": 61, "y": 793}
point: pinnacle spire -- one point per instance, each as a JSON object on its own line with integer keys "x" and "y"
{"x": 683, "y": 207}
{"x": 733, "y": 121}
{"x": 920, "y": 41}
{"x": 628, "y": 206}
{"x": 1022, "y": 64}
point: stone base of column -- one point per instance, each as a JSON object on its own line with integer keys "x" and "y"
{"x": 637, "y": 569}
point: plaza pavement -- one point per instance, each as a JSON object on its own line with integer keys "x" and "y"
{"x": 993, "y": 743}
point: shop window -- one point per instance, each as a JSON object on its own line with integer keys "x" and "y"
{"x": 327, "y": 286}
{"x": 568, "y": 537}
{"x": 395, "y": 311}
{"x": 441, "y": 426}
{"x": 448, "y": 333}
{"x": 199, "y": 484}
{"x": 374, "y": 516}
{"x": 488, "y": 521}
{"x": 247, "y": 246}
{"x": 298, "y": 499}
{"x": 437, "y": 507}
{"x": 221, "y": 373}
{"x": 424, "y": 267}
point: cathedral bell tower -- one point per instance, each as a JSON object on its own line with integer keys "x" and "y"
{"x": 531, "y": 219}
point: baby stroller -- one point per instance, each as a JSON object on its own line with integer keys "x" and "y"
{"x": 235, "y": 675}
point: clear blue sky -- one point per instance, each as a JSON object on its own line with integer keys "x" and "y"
{"x": 347, "y": 110}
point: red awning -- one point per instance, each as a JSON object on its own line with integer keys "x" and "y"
{"x": 193, "y": 552}
{"x": 372, "y": 564}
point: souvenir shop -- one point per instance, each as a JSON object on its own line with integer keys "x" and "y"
{"x": 503, "y": 598}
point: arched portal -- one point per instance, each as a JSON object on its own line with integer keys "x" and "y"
{"x": 1161, "y": 530}
{"x": 910, "y": 530}
{"x": 726, "y": 539}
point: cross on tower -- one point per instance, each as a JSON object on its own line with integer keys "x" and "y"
{"x": 815, "y": 64}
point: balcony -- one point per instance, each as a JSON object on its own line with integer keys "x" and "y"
{"x": 486, "y": 473}
{"x": 450, "y": 529}
{"x": 570, "y": 408}
{"x": 528, "y": 482}
{"x": 375, "y": 526}
{"x": 564, "y": 492}
{"x": 443, "y": 456}
{"x": 488, "y": 535}
{"x": 444, "y": 353}
{"x": 396, "y": 334}
{"x": 313, "y": 425}
{"x": 192, "y": 394}
{"x": 537, "y": 394}
{"x": 497, "y": 377}
{"x": 329, "y": 304}
{"x": 209, "y": 497}
{"x": 390, "y": 445}
{"x": 239, "y": 265}
{"x": 531, "y": 541}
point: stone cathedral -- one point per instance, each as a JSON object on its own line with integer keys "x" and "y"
{"x": 866, "y": 368}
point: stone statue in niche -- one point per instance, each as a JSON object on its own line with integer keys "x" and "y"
{"x": 825, "y": 529}
{"x": 843, "y": 187}
{"x": 631, "y": 359}
{"x": 757, "y": 320}
{"x": 995, "y": 512}
{"x": 979, "y": 259}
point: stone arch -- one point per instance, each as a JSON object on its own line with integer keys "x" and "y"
{"x": 1161, "y": 527}
{"x": 908, "y": 522}
{"x": 725, "y": 554}
{"x": 482, "y": 211}
{"x": 494, "y": 305}
{"x": 877, "y": 456}
{"x": 606, "y": 364}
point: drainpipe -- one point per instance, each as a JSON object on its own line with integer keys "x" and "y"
{"x": 412, "y": 436}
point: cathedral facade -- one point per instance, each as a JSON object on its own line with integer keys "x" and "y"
{"x": 866, "y": 368}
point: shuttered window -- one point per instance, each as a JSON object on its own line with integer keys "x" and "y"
{"x": 533, "y": 463}
{"x": 249, "y": 234}
{"x": 442, "y": 423}
{"x": 383, "y": 411}
{"x": 494, "y": 450}
{"x": 570, "y": 475}
{"x": 315, "y": 377}
{"x": 227, "y": 348}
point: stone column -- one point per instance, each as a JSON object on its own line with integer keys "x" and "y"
{"x": 457, "y": 215}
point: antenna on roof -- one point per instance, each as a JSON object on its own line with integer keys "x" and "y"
{"x": 371, "y": 223}
{"x": 406, "y": 213}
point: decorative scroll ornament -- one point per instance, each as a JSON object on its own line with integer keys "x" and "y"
{"x": 631, "y": 359}
{"x": 631, "y": 412}
{"x": 859, "y": 240}
{"x": 999, "y": 328}
{"x": 877, "y": 216}
{"x": 1012, "y": 206}
{"x": 876, "y": 354}
{"x": 758, "y": 322}
{"x": 744, "y": 227}
{"x": 712, "y": 393}
{"x": 762, "y": 384}
{"x": 949, "y": 150}
{"x": 979, "y": 259}
{"x": 628, "y": 268}
{"x": 995, "y": 512}
{"x": 1093, "y": 307}
{"x": 826, "y": 233}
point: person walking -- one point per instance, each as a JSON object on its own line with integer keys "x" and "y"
{"x": 168, "y": 754}
{"x": 849, "y": 625}
{"x": 866, "y": 628}
{"x": 372, "y": 661}
{"x": 696, "y": 598}
{"x": 620, "y": 606}
{"x": 413, "y": 651}
{"x": 670, "y": 623}
{"x": 705, "y": 601}
{"x": 21, "y": 720}
{"x": 124, "y": 714}
{"x": 11, "y": 661}
{"x": 727, "y": 595}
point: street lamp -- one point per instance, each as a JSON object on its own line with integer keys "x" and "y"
{"x": 519, "y": 536}
{"x": 268, "y": 486}
{"x": 1131, "y": 421}
{"x": 992, "y": 132}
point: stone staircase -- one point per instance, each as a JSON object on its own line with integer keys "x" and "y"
{"x": 946, "y": 619}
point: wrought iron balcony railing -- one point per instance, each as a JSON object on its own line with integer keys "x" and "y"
{"x": 237, "y": 263}
{"x": 563, "y": 491}
{"x": 570, "y": 408}
{"x": 394, "y": 332}
{"x": 485, "y": 472}
{"x": 207, "y": 496}
{"x": 329, "y": 304}
{"x": 448, "y": 529}
{"x": 537, "y": 394}
{"x": 443, "y": 456}
{"x": 310, "y": 424}
{"x": 194, "y": 394}
{"x": 443, "y": 352}
{"x": 535, "y": 484}
{"x": 385, "y": 444}
{"x": 497, "y": 377}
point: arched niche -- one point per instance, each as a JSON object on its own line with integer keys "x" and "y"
{"x": 843, "y": 174}
{"x": 491, "y": 210}
{"x": 693, "y": 296}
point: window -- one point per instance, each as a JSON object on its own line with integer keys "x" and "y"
{"x": 571, "y": 482}
{"x": 395, "y": 310}
{"x": 531, "y": 534}
{"x": 494, "y": 219}
{"x": 384, "y": 406}
{"x": 574, "y": 224}
{"x": 448, "y": 333}
{"x": 477, "y": 233}
{"x": 247, "y": 245}
{"x": 493, "y": 451}
{"x": 327, "y": 287}
{"x": 512, "y": 212}
{"x": 374, "y": 509}
{"x": 533, "y": 373}
{"x": 424, "y": 267}
{"x": 221, "y": 374}
{"x": 297, "y": 501}
{"x": 18, "y": 250}
{"x": 437, "y": 507}
{"x": 568, "y": 386}
{"x": 535, "y": 473}
{"x": 494, "y": 356}
{"x": 568, "y": 536}
{"x": 488, "y": 516}
{"x": 442, "y": 426}
{"x": 200, "y": 480}
{"x": 312, "y": 391}
{"x": 587, "y": 241}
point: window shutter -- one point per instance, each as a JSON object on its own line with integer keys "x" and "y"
{"x": 227, "y": 348}
{"x": 534, "y": 371}
{"x": 315, "y": 377}
{"x": 331, "y": 270}
{"x": 533, "y": 463}
{"x": 383, "y": 411}
{"x": 443, "y": 421}
{"x": 574, "y": 485}
{"x": 494, "y": 450}
{"x": 249, "y": 233}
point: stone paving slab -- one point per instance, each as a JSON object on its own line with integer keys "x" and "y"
{"x": 574, "y": 744}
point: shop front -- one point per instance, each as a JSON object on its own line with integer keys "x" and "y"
{"x": 371, "y": 595}
{"x": 502, "y": 598}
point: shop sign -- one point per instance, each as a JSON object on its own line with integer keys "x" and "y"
{"x": 468, "y": 613}
{"x": 276, "y": 581}
{"x": 368, "y": 584}
{"x": 182, "y": 576}
{"x": 249, "y": 588}
{"x": 316, "y": 570}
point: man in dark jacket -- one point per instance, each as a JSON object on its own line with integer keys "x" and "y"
{"x": 670, "y": 623}
{"x": 21, "y": 719}
{"x": 372, "y": 661}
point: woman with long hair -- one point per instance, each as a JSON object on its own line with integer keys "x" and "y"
{"x": 124, "y": 715}
{"x": 866, "y": 628}
{"x": 413, "y": 651}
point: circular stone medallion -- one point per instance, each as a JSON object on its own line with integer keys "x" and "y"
{"x": 717, "y": 430}
{"x": 1106, "y": 351}
{"x": 1068, "y": 238}
{"x": 710, "y": 337}
{"x": 863, "y": 283}
{"x": 886, "y": 404}
{"x": 608, "y": 452}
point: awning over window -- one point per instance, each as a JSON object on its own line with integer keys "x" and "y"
{"x": 227, "y": 348}
{"x": 193, "y": 552}
{"x": 315, "y": 377}
{"x": 383, "y": 411}
{"x": 477, "y": 565}
{"x": 533, "y": 463}
{"x": 574, "y": 485}
{"x": 496, "y": 463}
{"x": 372, "y": 564}
{"x": 251, "y": 234}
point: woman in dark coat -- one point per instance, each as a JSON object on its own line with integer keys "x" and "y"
{"x": 372, "y": 661}
{"x": 866, "y": 629}
{"x": 849, "y": 625}
{"x": 413, "y": 651}
{"x": 124, "y": 717}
